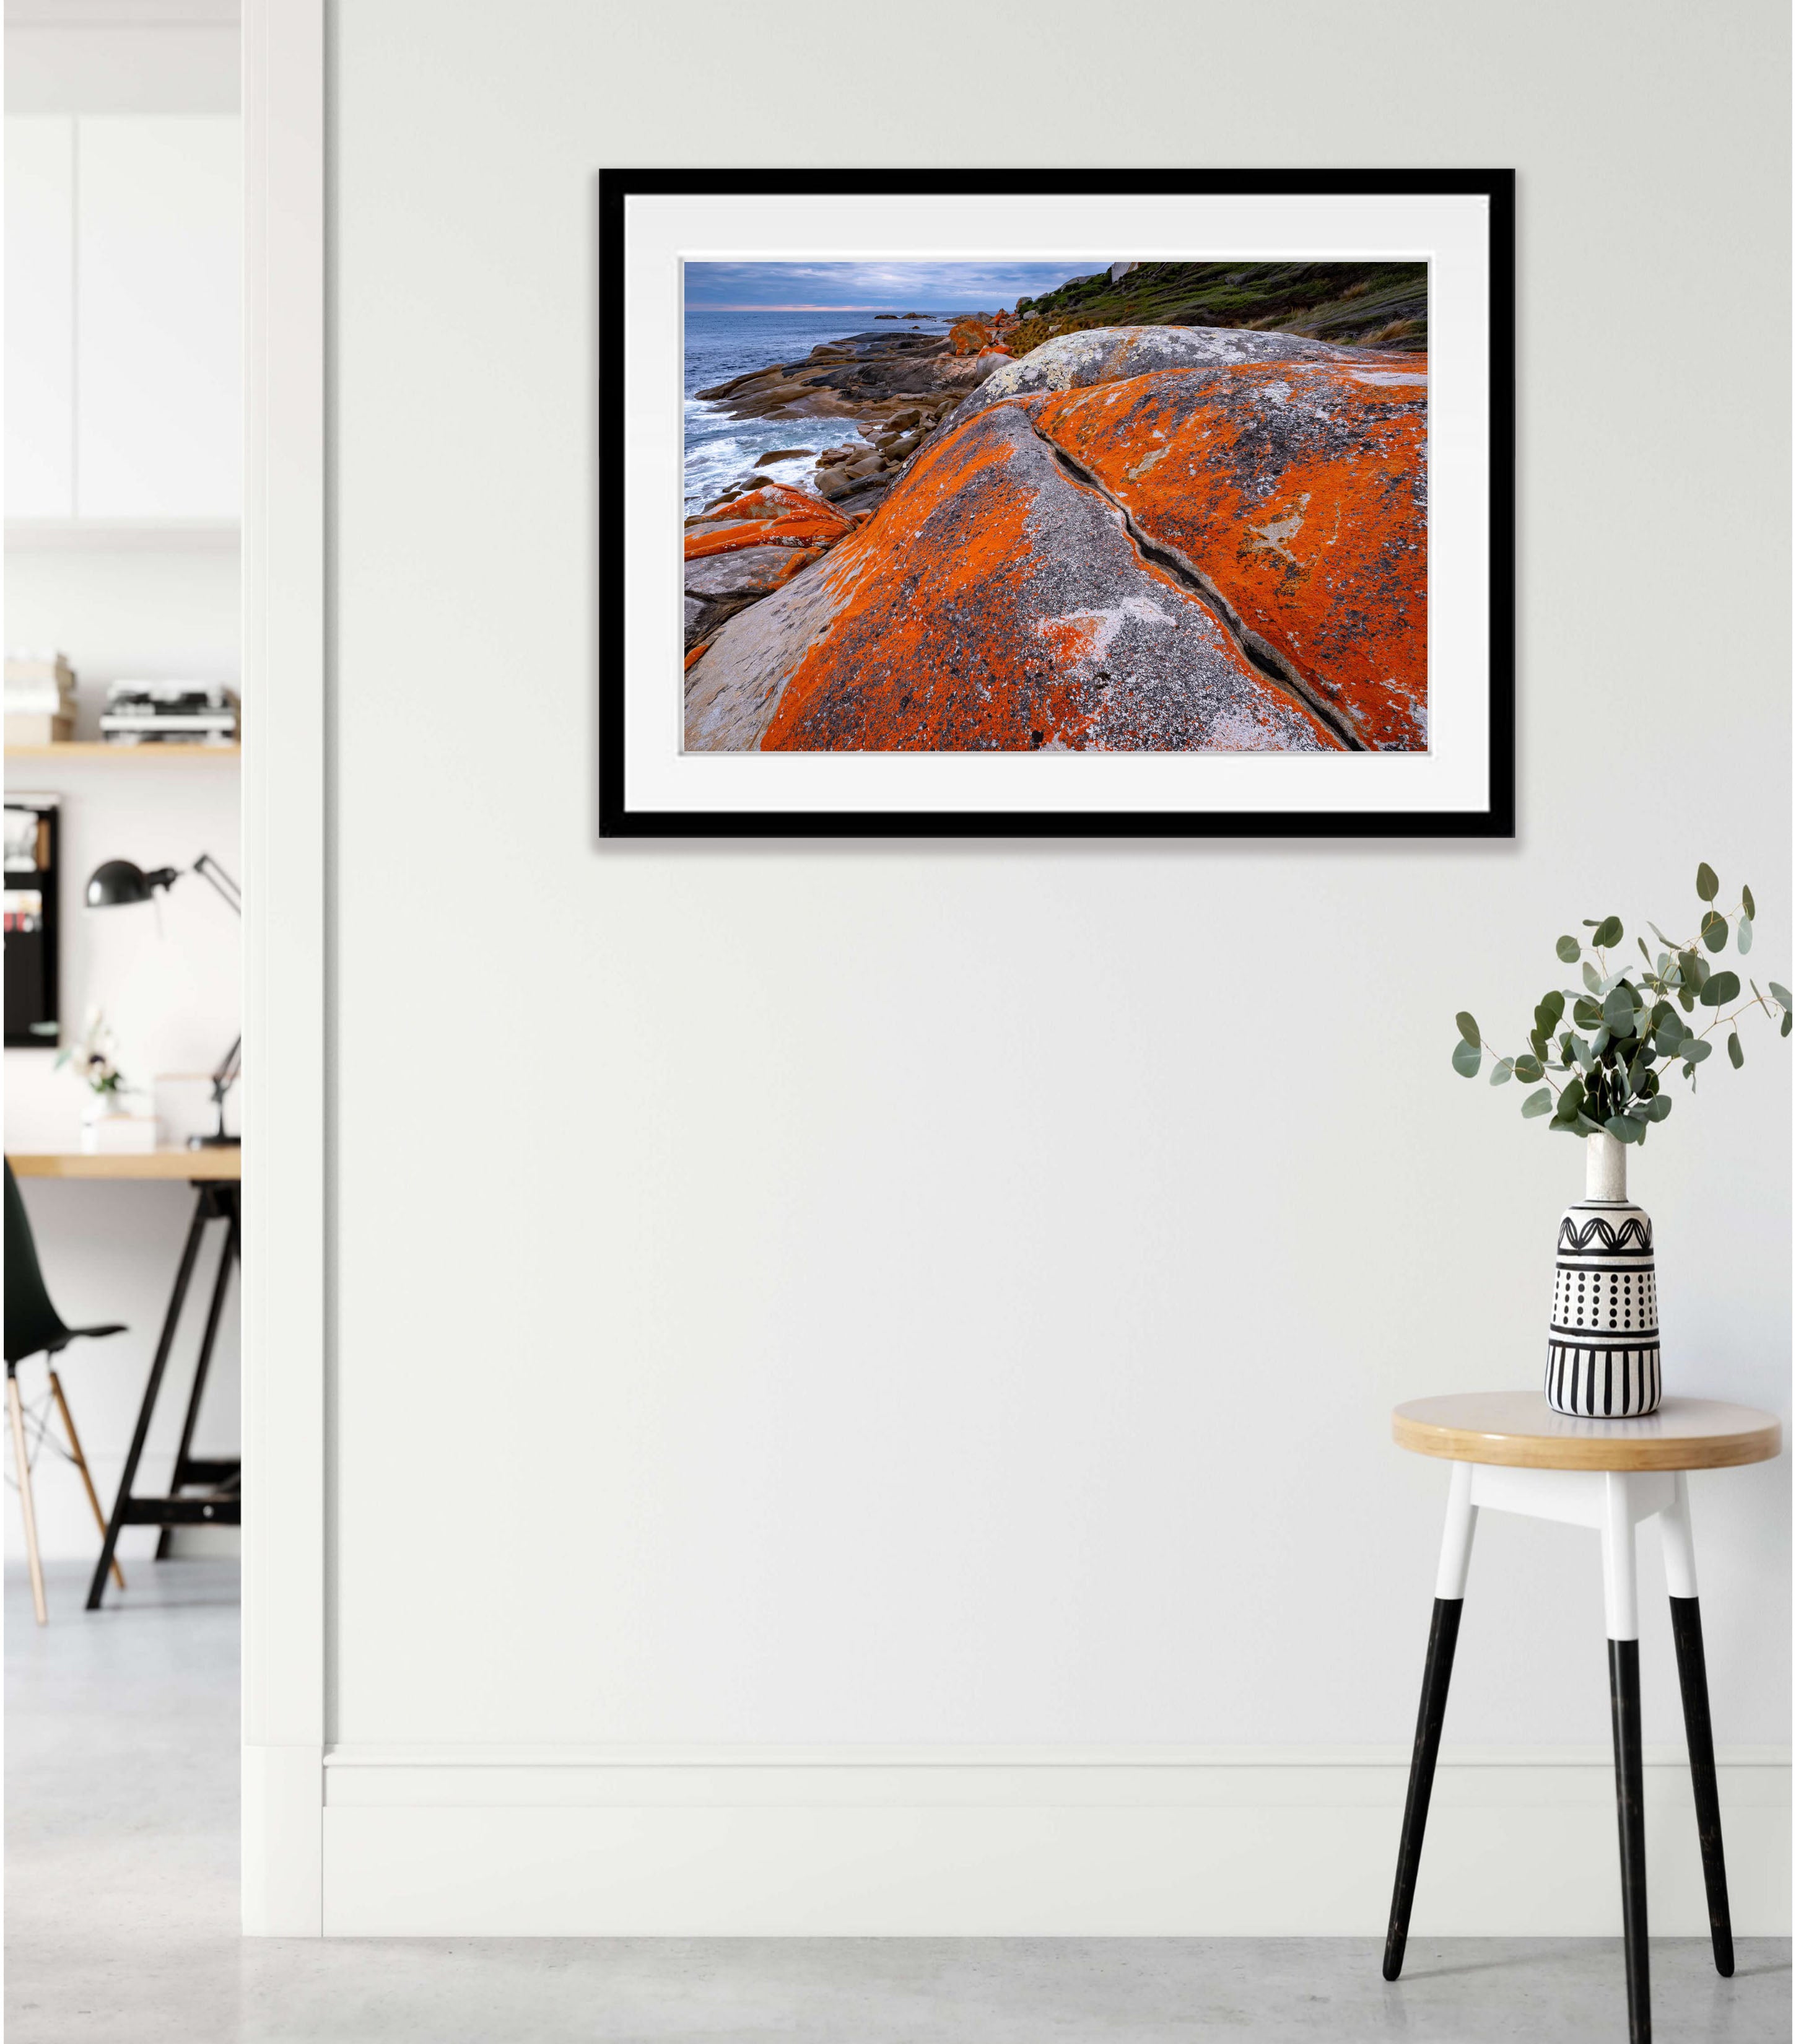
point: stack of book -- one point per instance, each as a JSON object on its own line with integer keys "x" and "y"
{"x": 40, "y": 699}
{"x": 170, "y": 713}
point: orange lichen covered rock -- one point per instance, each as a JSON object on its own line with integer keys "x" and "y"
{"x": 994, "y": 603}
{"x": 1296, "y": 492}
{"x": 775, "y": 515}
{"x": 971, "y": 336}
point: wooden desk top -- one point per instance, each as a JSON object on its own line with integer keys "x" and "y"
{"x": 1519, "y": 1430}
{"x": 185, "y": 1165}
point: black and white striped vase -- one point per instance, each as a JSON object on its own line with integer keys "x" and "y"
{"x": 1602, "y": 1347}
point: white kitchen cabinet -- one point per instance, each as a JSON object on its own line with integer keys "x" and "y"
{"x": 157, "y": 324}
{"x": 40, "y": 316}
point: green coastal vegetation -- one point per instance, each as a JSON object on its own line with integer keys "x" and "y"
{"x": 1354, "y": 305}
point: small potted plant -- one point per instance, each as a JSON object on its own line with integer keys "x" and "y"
{"x": 109, "y": 1093}
{"x": 1600, "y": 1060}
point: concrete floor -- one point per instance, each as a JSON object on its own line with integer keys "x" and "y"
{"x": 121, "y": 1902}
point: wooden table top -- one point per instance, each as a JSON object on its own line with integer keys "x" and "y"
{"x": 1519, "y": 1430}
{"x": 187, "y": 1166}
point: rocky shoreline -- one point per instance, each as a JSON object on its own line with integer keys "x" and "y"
{"x": 1134, "y": 538}
{"x": 897, "y": 387}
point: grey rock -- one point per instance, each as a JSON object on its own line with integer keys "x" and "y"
{"x": 732, "y": 692}
{"x": 751, "y": 570}
{"x": 1104, "y": 354}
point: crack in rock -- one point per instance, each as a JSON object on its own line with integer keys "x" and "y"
{"x": 1265, "y": 658}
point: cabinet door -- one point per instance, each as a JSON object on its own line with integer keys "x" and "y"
{"x": 40, "y": 316}
{"x": 158, "y": 214}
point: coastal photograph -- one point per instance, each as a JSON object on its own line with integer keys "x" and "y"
{"x": 1112, "y": 506}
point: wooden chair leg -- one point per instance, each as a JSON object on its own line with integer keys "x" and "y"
{"x": 81, "y": 1464}
{"x": 15, "y": 1413}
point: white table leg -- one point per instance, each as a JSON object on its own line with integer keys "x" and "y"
{"x": 1680, "y": 1549}
{"x": 1456, "y": 1535}
{"x": 1621, "y": 1593}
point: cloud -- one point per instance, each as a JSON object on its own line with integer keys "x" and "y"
{"x": 875, "y": 286}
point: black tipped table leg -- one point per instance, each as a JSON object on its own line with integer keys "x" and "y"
{"x": 1436, "y": 1672}
{"x": 1630, "y": 1816}
{"x": 1693, "y": 1678}
{"x": 1510, "y": 1452}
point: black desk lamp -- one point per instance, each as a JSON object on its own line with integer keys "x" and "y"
{"x": 118, "y": 884}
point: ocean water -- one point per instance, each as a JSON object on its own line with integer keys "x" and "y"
{"x": 722, "y": 344}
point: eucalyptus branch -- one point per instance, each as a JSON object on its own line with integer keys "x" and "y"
{"x": 1614, "y": 1081}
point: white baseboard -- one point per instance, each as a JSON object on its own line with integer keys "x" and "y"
{"x": 466, "y": 1842}
{"x": 282, "y": 1884}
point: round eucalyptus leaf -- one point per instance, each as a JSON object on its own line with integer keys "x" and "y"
{"x": 1467, "y": 1028}
{"x": 1618, "y": 1011}
{"x": 1707, "y": 885}
{"x": 1695, "y": 1050}
{"x": 1658, "y": 1107}
{"x": 1502, "y": 1071}
{"x": 1719, "y": 987}
{"x": 1537, "y": 1104}
{"x": 1608, "y": 933}
{"x": 1742, "y": 933}
{"x": 1467, "y": 1059}
{"x": 1625, "y": 1129}
{"x": 1530, "y": 1068}
{"x": 1568, "y": 949}
{"x": 1715, "y": 931}
{"x": 1780, "y": 994}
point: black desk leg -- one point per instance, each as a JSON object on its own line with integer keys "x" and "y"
{"x": 1624, "y": 1708}
{"x": 184, "y": 1470}
{"x": 1443, "y": 1636}
{"x": 1693, "y": 1679}
{"x": 202, "y": 1210}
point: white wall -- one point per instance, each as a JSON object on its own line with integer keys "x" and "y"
{"x": 949, "y": 1296}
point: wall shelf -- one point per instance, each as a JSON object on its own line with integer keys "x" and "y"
{"x": 86, "y": 748}
{"x": 186, "y": 535}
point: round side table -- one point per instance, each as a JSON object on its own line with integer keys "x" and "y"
{"x": 1511, "y": 1452}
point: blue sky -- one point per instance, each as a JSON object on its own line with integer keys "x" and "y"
{"x": 899, "y": 287}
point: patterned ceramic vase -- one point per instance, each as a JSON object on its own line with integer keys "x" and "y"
{"x": 1602, "y": 1347}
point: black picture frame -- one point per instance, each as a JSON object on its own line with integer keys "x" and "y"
{"x": 1495, "y": 820}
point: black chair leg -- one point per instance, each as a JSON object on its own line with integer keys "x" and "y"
{"x": 1437, "y": 1669}
{"x": 1623, "y": 1710}
{"x": 1693, "y": 1679}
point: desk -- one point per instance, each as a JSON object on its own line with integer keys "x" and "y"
{"x": 215, "y": 1176}
{"x": 195, "y": 1167}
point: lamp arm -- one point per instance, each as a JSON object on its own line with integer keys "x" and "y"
{"x": 222, "y": 883}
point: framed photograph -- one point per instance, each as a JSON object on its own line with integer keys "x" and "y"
{"x": 1056, "y": 504}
